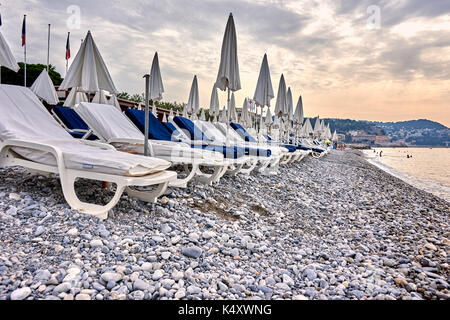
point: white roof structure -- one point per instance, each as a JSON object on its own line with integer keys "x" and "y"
{"x": 43, "y": 87}
{"x": 264, "y": 90}
{"x": 88, "y": 71}
{"x": 228, "y": 75}
{"x": 7, "y": 59}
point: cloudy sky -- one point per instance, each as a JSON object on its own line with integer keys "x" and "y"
{"x": 385, "y": 60}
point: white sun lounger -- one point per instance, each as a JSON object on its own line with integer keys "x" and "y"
{"x": 113, "y": 127}
{"x": 244, "y": 165}
{"x": 31, "y": 138}
{"x": 216, "y": 134}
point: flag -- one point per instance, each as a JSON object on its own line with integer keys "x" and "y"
{"x": 68, "y": 47}
{"x": 23, "y": 31}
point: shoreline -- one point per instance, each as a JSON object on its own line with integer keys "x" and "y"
{"x": 331, "y": 228}
{"x": 416, "y": 182}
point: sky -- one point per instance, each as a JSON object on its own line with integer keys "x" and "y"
{"x": 384, "y": 60}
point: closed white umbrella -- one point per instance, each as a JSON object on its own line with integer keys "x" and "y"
{"x": 43, "y": 87}
{"x": 170, "y": 115}
{"x": 7, "y": 59}
{"x": 264, "y": 90}
{"x": 232, "y": 111}
{"x": 269, "y": 119}
{"x": 281, "y": 104}
{"x": 308, "y": 128}
{"x": 88, "y": 71}
{"x": 245, "y": 116}
{"x": 100, "y": 97}
{"x": 228, "y": 76}
{"x": 75, "y": 97}
{"x": 193, "y": 105}
{"x": 335, "y": 137}
{"x": 203, "y": 115}
{"x": 185, "y": 111}
{"x": 156, "y": 87}
{"x": 318, "y": 127}
{"x": 214, "y": 102}
{"x": 290, "y": 105}
{"x": 114, "y": 102}
{"x": 164, "y": 119}
{"x": 329, "y": 135}
{"x": 223, "y": 116}
{"x": 298, "y": 114}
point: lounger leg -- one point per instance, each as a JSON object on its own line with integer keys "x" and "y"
{"x": 68, "y": 188}
{"x": 182, "y": 183}
{"x": 264, "y": 165}
{"x": 147, "y": 196}
{"x": 252, "y": 166}
{"x": 209, "y": 178}
{"x": 235, "y": 170}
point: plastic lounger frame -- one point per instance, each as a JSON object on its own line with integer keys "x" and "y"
{"x": 69, "y": 176}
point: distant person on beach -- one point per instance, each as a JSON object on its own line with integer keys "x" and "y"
{"x": 381, "y": 153}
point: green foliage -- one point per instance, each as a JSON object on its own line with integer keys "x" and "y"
{"x": 33, "y": 71}
{"x": 123, "y": 95}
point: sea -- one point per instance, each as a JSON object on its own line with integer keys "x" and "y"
{"x": 425, "y": 168}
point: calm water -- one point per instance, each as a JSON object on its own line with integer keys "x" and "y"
{"x": 428, "y": 169}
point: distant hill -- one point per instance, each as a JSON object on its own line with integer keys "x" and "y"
{"x": 415, "y": 132}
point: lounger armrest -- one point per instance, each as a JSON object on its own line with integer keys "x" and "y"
{"x": 98, "y": 144}
{"x": 170, "y": 143}
{"x": 55, "y": 151}
{"x": 126, "y": 140}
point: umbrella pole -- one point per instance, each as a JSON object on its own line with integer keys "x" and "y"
{"x": 228, "y": 115}
{"x": 147, "y": 116}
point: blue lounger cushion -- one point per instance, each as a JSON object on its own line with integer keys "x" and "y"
{"x": 228, "y": 152}
{"x": 73, "y": 121}
{"x": 156, "y": 130}
{"x": 196, "y": 133}
{"x": 193, "y": 131}
{"x": 70, "y": 118}
{"x": 242, "y": 132}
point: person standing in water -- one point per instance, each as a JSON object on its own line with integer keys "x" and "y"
{"x": 381, "y": 153}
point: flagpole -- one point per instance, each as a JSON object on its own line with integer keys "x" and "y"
{"x": 48, "y": 48}
{"x": 67, "y": 46}
{"x": 25, "y": 51}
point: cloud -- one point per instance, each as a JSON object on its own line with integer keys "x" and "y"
{"x": 320, "y": 46}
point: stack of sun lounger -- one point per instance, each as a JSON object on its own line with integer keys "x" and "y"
{"x": 99, "y": 142}
{"x": 31, "y": 138}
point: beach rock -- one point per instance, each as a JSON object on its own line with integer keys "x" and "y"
{"x": 20, "y": 294}
{"x": 192, "y": 252}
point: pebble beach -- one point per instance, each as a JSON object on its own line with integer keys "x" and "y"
{"x": 333, "y": 228}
